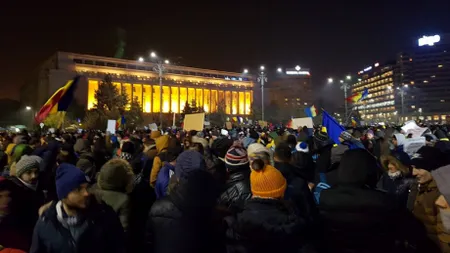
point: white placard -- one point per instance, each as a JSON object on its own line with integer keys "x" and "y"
{"x": 153, "y": 127}
{"x": 41, "y": 125}
{"x": 111, "y": 127}
{"x": 411, "y": 127}
{"x": 412, "y": 145}
{"x": 301, "y": 122}
{"x": 206, "y": 123}
{"x": 51, "y": 130}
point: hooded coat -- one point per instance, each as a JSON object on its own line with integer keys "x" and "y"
{"x": 162, "y": 143}
{"x": 359, "y": 218}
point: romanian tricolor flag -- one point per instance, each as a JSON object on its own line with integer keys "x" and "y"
{"x": 59, "y": 101}
{"x": 356, "y": 97}
{"x": 120, "y": 121}
{"x": 311, "y": 111}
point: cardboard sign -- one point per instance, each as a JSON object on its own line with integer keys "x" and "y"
{"x": 207, "y": 123}
{"x": 301, "y": 122}
{"x": 194, "y": 121}
{"x": 111, "y": 127}
{"x": 262, "y": 123}
{"x": 411, "y": 127}
{"x": 412, "y": 145}
{"x": 153, "y": 127}
{"x": 228, "y": 125}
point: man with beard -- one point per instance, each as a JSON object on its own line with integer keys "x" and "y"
{"x": 28, "y": 197}
{"x": 76, "y": 222}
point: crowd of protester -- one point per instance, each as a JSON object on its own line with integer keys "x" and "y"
{"x": 245, "y": 190}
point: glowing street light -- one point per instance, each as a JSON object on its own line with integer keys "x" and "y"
{"x": 330, "y": 80}
{"x": 341, "y": 81}
{"x": 245, "y": 71}
{"x": 297, "y": 68}
{"x": 262, "y": 68}
{"x": 28, "y": 108}
{"x": 153, "y": 54}
{"x": 279, "y": 70}
{"x": 141, "y": 59}
{"x": 349, "y": 77}
{"x": 166, "y": 62}
{"x": 406, "y": 86}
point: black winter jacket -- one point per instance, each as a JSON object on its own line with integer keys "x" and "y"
{"x": 237, "y": 191}
{"x": 358, "y": 218}
{"x": 266, "y": 225}
{"x": 104, "y": 233}
{"x": 183, "y": 221}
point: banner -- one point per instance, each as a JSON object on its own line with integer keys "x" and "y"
{"x": 194, "y": 121}
{"x": 153, "y": 127}
{"x": 411, "y": 127}
{"x": 228, "y": 125}
{"x": 111, "y": 127}
{"x": 301, "y": 122}
{"x": 412, "y": 145}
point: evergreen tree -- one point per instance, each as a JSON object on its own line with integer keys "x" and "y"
{"x": 219, "y": 117}
{"x": 134, "y": 116}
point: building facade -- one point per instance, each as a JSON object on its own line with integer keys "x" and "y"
{"x": 291, "y": 91}
{"x": 424, "y": 76}
{"x": 379, "y": 106}
{"x": 208, "y": 88}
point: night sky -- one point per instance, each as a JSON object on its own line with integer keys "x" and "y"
{"x": 332, "y": 39}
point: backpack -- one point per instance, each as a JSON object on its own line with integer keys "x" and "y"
{"x": 321, "y": 186}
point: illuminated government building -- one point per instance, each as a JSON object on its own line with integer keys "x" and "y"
{"x": 208, "y": 88}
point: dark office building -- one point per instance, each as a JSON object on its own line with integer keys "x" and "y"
{"x": 424, "y": 76}
{"x": 291, "y": 91}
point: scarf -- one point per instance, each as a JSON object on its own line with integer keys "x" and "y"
{"x": 30, "y": 186}
{"x": 75, "y": 224}
{"x": 126, "y": 156}
{"x": 394, "y": 175}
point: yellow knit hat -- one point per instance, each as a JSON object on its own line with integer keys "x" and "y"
{"x": 267, "y": 183}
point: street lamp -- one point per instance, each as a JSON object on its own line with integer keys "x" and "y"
{"x": 262, "y": 78}
{"x": 330, "y": 80}
{"x": 349, "y": 77}
{"x": 160, "y": 69}
{"x": 402, "y": 93}
{"x": 279, "y": 70}
{"x": 245, "y": 71}
{"x": 141, "y": 59}
{"x": 345, "y": 87}
{"x": 28, "y": 108}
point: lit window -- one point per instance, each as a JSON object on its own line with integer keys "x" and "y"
{"x": 412, "y": 82}
{"x": 440, "y": 66}
{"x": 413, "y": 106}
{"x": 298, "y": 99}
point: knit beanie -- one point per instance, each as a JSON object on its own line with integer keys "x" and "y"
{"x": 115, "y": 175}
{"x": 429, "y": 158}
{"x": 302, "y": 147}
{"x": 27, "y": 163}
{"x": 267, "y": 183}
{"x": 442, "y": 178}
{"x": 68, "y": 178}
{"x": 220, "y": 147}
{"x": 187, "y": 162}
{"x": 257, "y": 148}
{"x": 236, "y": 158}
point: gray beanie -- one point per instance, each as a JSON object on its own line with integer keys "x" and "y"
{"x": 442, "y": 178}
{"x": 26, "y": 163}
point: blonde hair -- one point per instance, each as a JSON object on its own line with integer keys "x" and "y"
{"x": 388, "y": 159}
